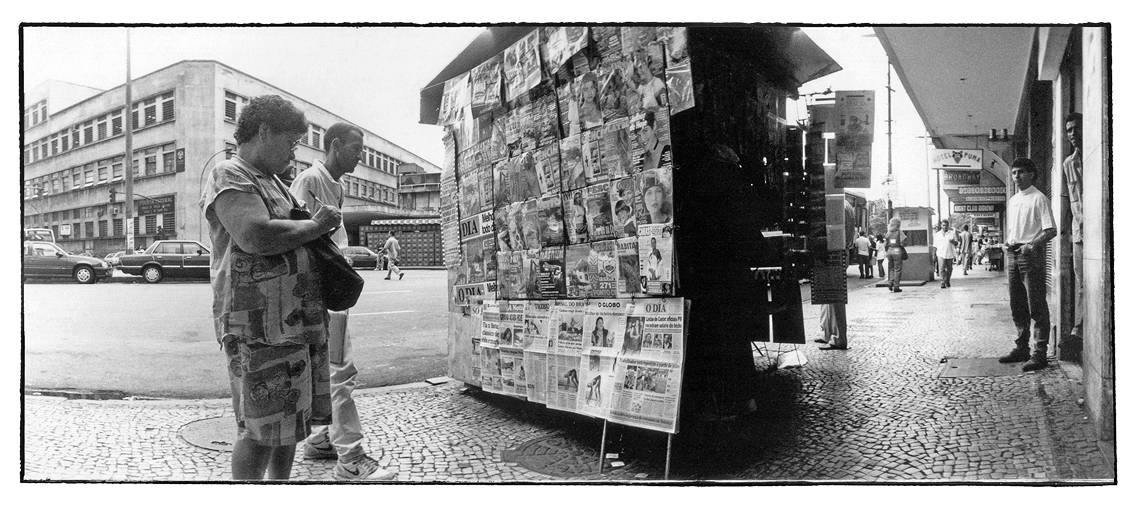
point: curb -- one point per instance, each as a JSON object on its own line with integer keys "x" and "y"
{"x": 118, "y": 395}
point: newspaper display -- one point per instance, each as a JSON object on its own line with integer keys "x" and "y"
{"x": 599, "y": 216}
{"x": 487, "y": 84}
{"x": 511, "y": 338}
{"x": 522, "y": 66}
{"x": 647, "y": 386}
{"x": 629, "y": 270}
{"x": 490, "y": 379}
{"x": 550, "y": 221}
{"x": 527, "y": 174}
{"x": 624, "y": 199}
{"x": 548, "y": 168}
{"x": 592, "y": 157}
{"x": 565, "y": 354}
{"x": 503, "y": 183}
{"x": 573, "y": 168}
{"x": 476, "y": 314}
{"x": 456, "y": 96}
{"x": 562, "y": 42}
{"x": 604, "y": 322}
{"x": 567, "y": 106}
{"x": 574, "y": 213}
{"x": 655, "y": 202}
{"x": 854, "y": 133}
{"x": 655, "y": 252}
{"x": 544, "y": 125}
{"x": 552, "y": 273}
{"x": 536, "y": 344}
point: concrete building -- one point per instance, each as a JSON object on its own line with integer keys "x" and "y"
{"x": 965, "y": 81}
{"x": 183, "y": 119}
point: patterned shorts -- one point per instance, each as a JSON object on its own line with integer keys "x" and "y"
{"x": 278, "y": 391}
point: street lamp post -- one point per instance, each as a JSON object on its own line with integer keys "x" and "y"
{"x": 890, "y": 91}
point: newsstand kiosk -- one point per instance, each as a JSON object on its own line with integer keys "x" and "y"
{"x": 619, "y": 207}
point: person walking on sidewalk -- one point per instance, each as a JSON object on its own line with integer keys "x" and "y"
{"x": 966, "y": 250}
{"x": 945, "y": 239}
{"x": 342, "y": 439}
{"x": 1073, "y": 189}
{"x": 277, "y": 364}
{"x": 896, "y": 253}
{"x": 1029, "y": 227}
{"x": 863, "y": 253}
{"x": 880, "y": 253}
{"x": 392, "y": 248}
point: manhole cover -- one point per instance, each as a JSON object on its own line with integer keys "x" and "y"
{"x": 554, "y": 456}
{"x": 977, "y": 367}
{"x": 211, "y": 433}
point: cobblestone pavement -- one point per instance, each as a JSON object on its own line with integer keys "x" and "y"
{"x": 876, "y": 412}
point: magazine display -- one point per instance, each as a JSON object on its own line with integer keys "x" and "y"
{"x": 552, "y": 273}
{"x": 574, "y": 214}
{"x": 544, "y": 127}
{"x": 456, "y": 96}
{"x": 629, "y": 269}
{"x": 530, "y": 261}
{"x": 562, "y": 42}
{"x": 476, "y": 350}
{"x": 617, "y": 160}
{"x": 599, "y": 216}
{"x": 527, "y": 173}
{"x": 678, "y": 73}
{"x": 655, "y": 252}
{"x": 647, "y": 387}
{"x": 602, "y": 271}
{"x": 522, "y": 66}
{"x": 573, "y": 168}
{"x": 551, "y": 224}
{"x": 624, "y": 199}
{"x": 592, "y": 145}
{"x": 549, "y": 170}
{"x": 650, "y": 141}
{"x": 511, "y": 338}
{"x": 565, "y": 354}
{"x": 507, "y": 280}
{"x": 487, "y": 84}
{"x": 578, "y": 270}
{"x": 655, "y": 197}
{"x": 503, "y": 183}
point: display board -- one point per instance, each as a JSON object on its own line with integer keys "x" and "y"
{"x": 564, "y": 195}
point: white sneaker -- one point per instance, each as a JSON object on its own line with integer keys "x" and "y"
{"x": 362, "y": 468}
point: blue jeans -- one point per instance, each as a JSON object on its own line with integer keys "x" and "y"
{"x": 1026, "y": 275}
{"x": 894, "y": 266}
{"x": 945, "y": 269}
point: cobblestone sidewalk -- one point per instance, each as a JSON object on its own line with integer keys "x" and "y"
{"x": 876, "y": 412}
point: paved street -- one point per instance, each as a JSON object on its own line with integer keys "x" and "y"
{"x": 158, "y": 340}
{"x": 878, "y": 412}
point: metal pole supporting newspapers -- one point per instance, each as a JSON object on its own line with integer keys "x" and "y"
{"x": 602, "y": 452}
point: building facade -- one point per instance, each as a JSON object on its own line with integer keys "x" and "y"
{"x": 183, "y": 118}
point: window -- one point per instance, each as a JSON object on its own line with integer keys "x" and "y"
{"x": 28, "y": 155}
{"x": 117, "y": 122}
{"x": 151, "y": 223}
{"x": 76, "y": 231}
{"x": 75, "y": 136}
{"x": 135, "y": 117}
{"x": 315, "y": 133}
{"x": 55, "y": 145}
{"x": 117, "y": 226}
{"x": 103, "y": 228}
{"x": 168, "y": 158}
{"x": 65, "y": 181}
{"x": 234, "y": 105}
{"x": 150, "y": 112}
{"x": 167, "y": 103}
{"x": 88, "y": 132}
{"x": 89, "y": 229}
{"x": 103, "y": 174}
{"x": 64, "y": 145}
{"x": 75, "y": 214}
{"x": 101, "y": 127}
{"x": 117, "y": 169}
{"x": 168, "y": 248}
{"x": 168, "y": 222}
{"x": 151, "y": 158}
{"x": 43, "y": 150}
{"x": 88, "y": 176}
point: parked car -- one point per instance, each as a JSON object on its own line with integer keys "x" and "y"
{"x": 44, "y": 259}
{"x": 360, "y": 257}
{"x": 113, "y": 258}
{"x": 171, "y": 258}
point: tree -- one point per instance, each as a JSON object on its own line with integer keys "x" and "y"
{"x": 877, "y": 217}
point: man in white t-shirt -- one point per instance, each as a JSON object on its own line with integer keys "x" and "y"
{"x": 343, "y": 439}
{"x": 945, "y": 239}
{"x": 1029, "y": 227}
{"x": 863, "y": 254}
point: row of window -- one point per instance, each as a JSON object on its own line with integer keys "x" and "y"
{"x": 106, "y": 228}
{"x": 35, "y": 114}
{"x": 367, "y": 190}
{"x": 151, "y": 161}
{"x": 369, "y": 157}
{"x": 151, "y": 111}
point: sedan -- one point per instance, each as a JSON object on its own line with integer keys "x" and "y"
{"x": 360, "y": 257}
{"x": 47, "y": 260}
{"x": 173, "y": 258}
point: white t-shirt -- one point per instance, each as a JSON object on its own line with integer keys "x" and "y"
{"x": 863, "y": 245}
{"x": 1027, "y": 214}
{"x": 942, "y": 243}
{"x": 318, "y": 180}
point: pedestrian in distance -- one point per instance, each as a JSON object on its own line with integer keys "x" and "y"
{"x": 392, "y": 248}
{"x": 880, "y": 253}
{"x": 343, "y": 438}
{"x": 1029, "y": 227}
{"x": 278, "y": 365}
{"x": 945, "y": 239}
{"x": 863, "y": 255}
{"x": 896, "y": 253}
{"x": 966, "y": 250}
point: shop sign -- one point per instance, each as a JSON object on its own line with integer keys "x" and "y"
{"x": 159, "y": 205}
{"x": 980, "y": 198}
{"x": 982, "y": 190}
{"x": 977, "y": 208}
{"x": 956, "y": 159}
{"x": 65, "y": 229}
{"x": 180, "y": 160}
{"x": 952, "y": 179}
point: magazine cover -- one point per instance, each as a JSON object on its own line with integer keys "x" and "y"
{"x": 528, "y": 185}
{"x": 655, "y": 252}
{"x": 511, "y": 326}
{"x": 648, "y": 64}
{"x": 496, "y": 148}
{"x": 573, "y": 167}
{"x": 624, "y": 199}
{"x": 592, "y": 144}
{"x": 485, "y": 186}
{"x": 655, "y": 202}
{"x": 629, "y": 269}
{"x": 472, "y": 264}
{"x": 565, "y": 354}
{"x": 561, "y": 43}
{"x": 650, "y": 141}
{"x": 619, "y": 91}
{"x": 588, "y": 100}
{"x": 566, "y": 91}
{"x": 487, "y": 84}
{"x": 530, "y": 273}
{"x": 578, "y": 270}
{"x": 522, "y": 67}
{"x": 520, "y": 273}
{"x": 678, "y": 74}
{"x": 506, "y": 279}
{"x": 490, "y": 258}
{"x": 550, "y": 221}
{"x": 634, "y": 38}
{"x": 552, "y": 273}
{"x": 599, "y": 216}
{"x": 574, "y": 214}
{"x": 544, "y": 118}
{"x": 470, "y": 198}
{"x": 476, "y": 226}
{"x": 530, "y": 224}
{"x": 617, "y": 160}
{"x": 503, "y": 183}
{"x": 456, "y": 96}
{"x": 648, "y": 371}
{"x": 548, "y": 168}
{"x": 502, "y": 228}
{"x": 602, "y": 269}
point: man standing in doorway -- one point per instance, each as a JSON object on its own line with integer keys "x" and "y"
{"x": 1074, "y": 189}
{"x": 1029, "y": 227}
{"x": 966, "y": 250}
{"x": 392, "y": 248}
{"x": 343, "y": 439}
{"x": 863, "y": 255}
{"x": 944, "y": 241}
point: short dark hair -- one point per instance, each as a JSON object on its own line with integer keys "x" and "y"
{"x": 1024, "y": 164}
{"x": 338, "y": 131}
{"x": 275, "y": 112}
{"x": 650, "y": 119}
{"x": 1074, "y": 116}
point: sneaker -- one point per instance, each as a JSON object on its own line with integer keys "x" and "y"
{"x": 1034, "y": 365}
{"x": 362, "y": 468}
{"x": 322, "y": 450}
{"x": 1015, "y": 356}
{"x": 401, "y": 275}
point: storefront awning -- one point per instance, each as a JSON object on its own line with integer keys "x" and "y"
{"x": 805, "y": 59}
{"x": 963, "y": 81}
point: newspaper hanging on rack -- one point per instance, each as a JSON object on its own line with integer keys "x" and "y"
{"x": 648, "y": 369}
{"x": 604, "y": 321}
{"x": 565, "y": 354}
{"x": 511, "y": 336}
{"x": 536, "y": 344}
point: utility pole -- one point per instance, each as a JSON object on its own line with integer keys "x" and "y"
{"x": 128, "y": 160}
{"x": 890, "y": 205}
